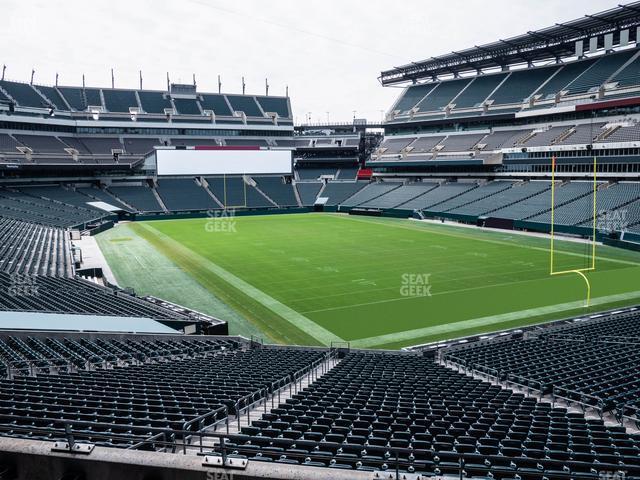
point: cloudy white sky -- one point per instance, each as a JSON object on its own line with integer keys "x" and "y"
{"x": 329, "y": 52}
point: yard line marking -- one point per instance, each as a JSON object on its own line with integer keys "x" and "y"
{"x": 303, "y": 323}
{"x": 494, "y": 319}
{"x": 395, "y": 289}
{"x": 498, "y": 242}
{"x": 142, "y": 256}
{"x": 447, "y": 292}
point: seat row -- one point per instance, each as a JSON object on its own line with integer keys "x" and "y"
{"x": 150, "y": 397}
{"x": 594, "y": 362}
{"x": 374, "y": 407}
{"x": 31, "y": 249}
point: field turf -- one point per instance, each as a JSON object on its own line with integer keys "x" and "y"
{"x": 373, "y": 282}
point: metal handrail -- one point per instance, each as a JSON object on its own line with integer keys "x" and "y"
{"x": 166, "y": 441}
{"x": 564, "y": 394}
{"x": 618, "y": 339}
{"x": 186, "y": 426}
{"x": 163, "y": 437}
{"x": 486, "y": 371}
{"x": 569, "y": 337}
{"x": 530, "y": 383}
{"x": 620, "y": 413}
{"x": 274, "y": 388}
{"x": 32, "y": 364}
{"x": 152, "y": 440}
{"x": 263, "y": 392}
{"x": 76, "y": 423}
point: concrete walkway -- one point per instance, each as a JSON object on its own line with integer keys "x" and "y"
{"x": 92, "y": 257}
{"x": 258, "y": 409}
{"x": 607, "y": 417}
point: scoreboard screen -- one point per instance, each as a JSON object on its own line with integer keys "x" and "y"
{"x": 223, "y": 161}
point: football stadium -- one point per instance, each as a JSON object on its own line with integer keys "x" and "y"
{"x": 197, "y": 284}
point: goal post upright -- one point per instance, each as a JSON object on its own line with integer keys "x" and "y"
{"x": 244, "y": 192}
{"x": 244, "y": 185}
{"x": 578, "y": 271}
{"x": 595, "y": 213}
{"x": 553, "y": 211}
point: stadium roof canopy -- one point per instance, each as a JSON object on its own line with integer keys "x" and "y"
{"x": 548, "y": 44}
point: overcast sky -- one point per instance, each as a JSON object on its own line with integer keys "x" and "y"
{"x": 329, "y": 52}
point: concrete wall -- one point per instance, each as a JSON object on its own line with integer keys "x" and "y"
{"x": 34, "y": 460}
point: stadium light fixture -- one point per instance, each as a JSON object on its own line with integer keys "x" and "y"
{"x": 26, "y": 151}
{"x": 73, "y": 152}
{"x": 211, "y": 114}
{"x": 95, "y": 111}
{"x": 134, "y": 112}
{"x": 273, "y": 116}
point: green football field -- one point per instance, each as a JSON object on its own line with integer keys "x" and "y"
{"x": 374, "y": 282}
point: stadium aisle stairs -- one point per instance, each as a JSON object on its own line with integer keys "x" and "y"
{"x": 258, "y": 410}
{"x": 561, "y": 204}
{"x": 474, "y": 195}
{"x": 379, "y": 194}
{"x": 254, "y": 184}
{"x": 437, "y": 201}
{"x": 418, "y": 192}
{"x": 608, "y": 418}
{"x": 117, "y": 199}
{"x": 204, "y": 184}
{"x": 159, "y": 199}
{"x": 297, "y": 195}
{"x": 520, "y": 200}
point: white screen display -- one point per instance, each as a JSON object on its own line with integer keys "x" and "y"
{"x": 222, "y": 162}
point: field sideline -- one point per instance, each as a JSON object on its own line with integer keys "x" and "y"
{"x": 374, "y": 282}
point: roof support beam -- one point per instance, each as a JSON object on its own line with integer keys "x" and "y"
{"x": 545, "y": 45}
